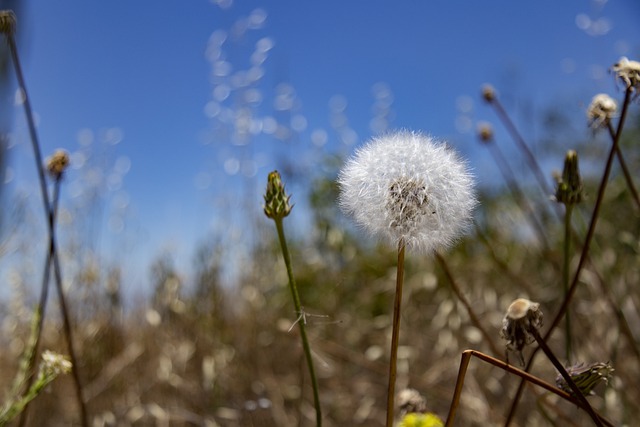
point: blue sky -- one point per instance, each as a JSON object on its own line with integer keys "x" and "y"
{"x": 156, "y": 92}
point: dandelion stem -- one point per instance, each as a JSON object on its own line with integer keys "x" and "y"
{"x": 472, "y": 315}
{"x": 518, "y": 194}
{"x": 576, "y": 391}
{"x": 393, "y": 360}
{"x": 565, "y": 275}
{"x": 301, "y": 324}
{"x": 585, "y": 250}
{"x": 625, "y": 168}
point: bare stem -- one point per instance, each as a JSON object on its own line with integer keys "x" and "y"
{"x": 520, "y": 142}
{"x": 565, "y": 274}
{"x": 393, "y": 360}
{"x": 625, "y": 168}
{"x": 49, "y": 214}
{"x": 301, "y": 323}
{"x": 460, "y": 295}
{"x": 517, "y": 193}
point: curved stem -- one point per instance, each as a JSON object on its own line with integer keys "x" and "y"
{"x": 301, "y": 323}
{"x": 393, "y": 360}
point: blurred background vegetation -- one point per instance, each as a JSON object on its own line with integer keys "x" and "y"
{"x": 200, "y": 353}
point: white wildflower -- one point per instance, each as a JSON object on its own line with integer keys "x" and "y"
{"x": 601, "y": 110}
{"x": 54, "y": 363}
{"x": 628, "y": 71}
{"x": 408, "y": 188}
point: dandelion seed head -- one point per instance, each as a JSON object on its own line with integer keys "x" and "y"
{"x": 522, "y": 316}
{"x": 628, "y": 72}
{"x": 407, "y": 187}
{"x": 601, "y": 110}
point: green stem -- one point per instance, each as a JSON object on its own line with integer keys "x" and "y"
{"x": 301, "y": 322}
{"x": 565, "y": 274}
{"x": 393, "y": 360}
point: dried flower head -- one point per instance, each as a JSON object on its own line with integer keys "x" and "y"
{"x": 57, "y": 163}
{"x": 421, "y": 420}
{"x": 522, "y": 316}
{"x": 54, "y": 364}
{"x": 628, "y": 72}
{"x": 7, "y": 22}
{"x": 488, "y": 93}
{"x": 601, "y": 110}
{"x": 276, "y": 201}
{"x": 569, "y": 190}
{"x": 485, "y": 132}
{"x": 409, "y": 189}
{"x": 410, "y": 400}
{"x": 586, "y": 377}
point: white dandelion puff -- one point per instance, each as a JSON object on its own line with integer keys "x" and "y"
{"x": 601, "y": 110}
{"x": 410, "y": 189}
{"x": 628, "y": 72}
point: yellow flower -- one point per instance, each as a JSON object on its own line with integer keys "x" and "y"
{"x": 421, "y": 420}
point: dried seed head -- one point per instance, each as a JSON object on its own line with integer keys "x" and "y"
{"x": 407, "y": 202}
{"x": 57, "y": 163}
{"x": 601, "y": 110}
{"x": 410, "y": 400}
{"x": 628, "y": 72}
{"x": 276, "y": 201}
{"x": 570, "y": 190}
{"x": 488, "y": 93}
{"x": 586, "y": 377}
{"x": 54, "y": 364}
{"x": 7, "y": 22}
{"x": 522, "y": 316}
{"x": 485, "y": 132}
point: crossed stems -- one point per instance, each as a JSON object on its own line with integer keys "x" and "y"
{"x": 52, "y": 257}
{"x": 585, "y": 250}
{"x": 464, "y": 365}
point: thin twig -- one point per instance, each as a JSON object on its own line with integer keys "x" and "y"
{"x": 460, "y": 295}
{"x": 625, "y": 168}
{"x": 520, "y": 142}
{"x": 49, "y": 215}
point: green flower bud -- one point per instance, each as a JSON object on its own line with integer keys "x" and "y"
{"x": 276, "y": 201}
{"x": 570, "y": 190}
